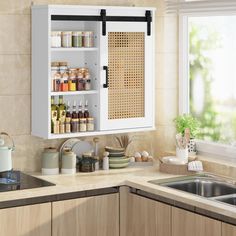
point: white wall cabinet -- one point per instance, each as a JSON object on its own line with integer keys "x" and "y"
{"x": 121, "y": 64}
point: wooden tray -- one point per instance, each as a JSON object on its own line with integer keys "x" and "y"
{"x": 174, "y": 169}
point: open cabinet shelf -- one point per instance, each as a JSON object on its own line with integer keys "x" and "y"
{"x": 120, "y": 63}
{"x": 70, "y": 93}
{"x": 74, "y": 49}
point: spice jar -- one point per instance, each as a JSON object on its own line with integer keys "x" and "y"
{"x": 56, "y": 39}
{"x": 64, "y": 82}
{"x": 57, "y": 82}
{"x": 82, "y": 125}
{"x": 84, "y": 71}
{"x": 77, "y": 39}
{"x": 88, "y": 40}
{"x": 67, "y": 39}
{"x": 80, "y": 83}
{"x": 55, "y": 66}
{"x": 87, "y": 84}
{"x": 90, "y": 124}
{"x": 72, "y": 80}
{"x": 63, "y": 67}
{"x": 54, "y": 70}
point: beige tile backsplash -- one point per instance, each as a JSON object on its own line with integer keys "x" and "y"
{"x": 15, "y": 34}
{"x": 15, "y": 74}
{"x": 15, "y": 81}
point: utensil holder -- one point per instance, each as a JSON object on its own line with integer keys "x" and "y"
{"x": 182, "y": 154}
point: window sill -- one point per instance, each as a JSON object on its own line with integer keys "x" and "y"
{"x": 216, "y": 150}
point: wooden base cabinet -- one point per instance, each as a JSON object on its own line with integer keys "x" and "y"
{"x": 140, "y": 216}
{"x": 91, "y": 216}
{"x": 32, "y": 220}
{"x": 228, "y": 230}
{"x": 185, "y": 223}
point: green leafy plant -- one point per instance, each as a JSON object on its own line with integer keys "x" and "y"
{"x": 187, "y": 121}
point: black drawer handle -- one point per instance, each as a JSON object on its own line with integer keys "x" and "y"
{"x": 106, "y": 69}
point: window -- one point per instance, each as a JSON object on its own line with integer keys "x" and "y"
{"x": 212, "y": 76}
{"x": 208, "y": 74}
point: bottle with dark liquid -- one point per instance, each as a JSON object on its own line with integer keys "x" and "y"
{"x": 80, "y": 112}
{"x": 86, "y": 112}
{"x": 68, "y": 118}
{"x": 74, "y": 120}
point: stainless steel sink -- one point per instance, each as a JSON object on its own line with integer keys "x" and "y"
{"x": 230, "y": 199}
{"x": 202, "y": 185}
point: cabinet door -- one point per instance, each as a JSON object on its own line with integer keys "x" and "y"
{"x": 140, "y": 216}
{"x": 32, "y": 220}
{"x": 128, "y": 53}
{"x": 185, "y": 223}
{"x": 97, "y": 216}
{"x": 228, "y": 230}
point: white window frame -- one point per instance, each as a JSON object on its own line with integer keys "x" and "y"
{"x": 203, "y": 147}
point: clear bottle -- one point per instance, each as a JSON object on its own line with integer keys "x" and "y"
{"x": 53, "y": 114}
{"x": 61, "y": 110}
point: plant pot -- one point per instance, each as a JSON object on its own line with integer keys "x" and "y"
{"x": 192, "y": 146}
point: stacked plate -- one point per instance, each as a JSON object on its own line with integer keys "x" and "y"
{"x": 117, "y": 158}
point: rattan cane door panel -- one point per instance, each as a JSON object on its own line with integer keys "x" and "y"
{"x": 126, "y": 63}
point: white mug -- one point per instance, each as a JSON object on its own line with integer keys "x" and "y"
{"x": 182, "y": 154}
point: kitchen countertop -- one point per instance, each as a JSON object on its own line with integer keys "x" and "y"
{"x": 133, "y": 177}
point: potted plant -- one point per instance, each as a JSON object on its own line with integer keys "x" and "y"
{"x": 187, "y": 126}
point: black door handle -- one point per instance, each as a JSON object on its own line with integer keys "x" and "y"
{"x": 106, "y": 69}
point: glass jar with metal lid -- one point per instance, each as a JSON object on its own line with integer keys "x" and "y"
{"x": 67, "y": 39}
{"x": 56, "y": 39}
{"x": 88, "y": 39}
{"x": 77, "y": 39}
